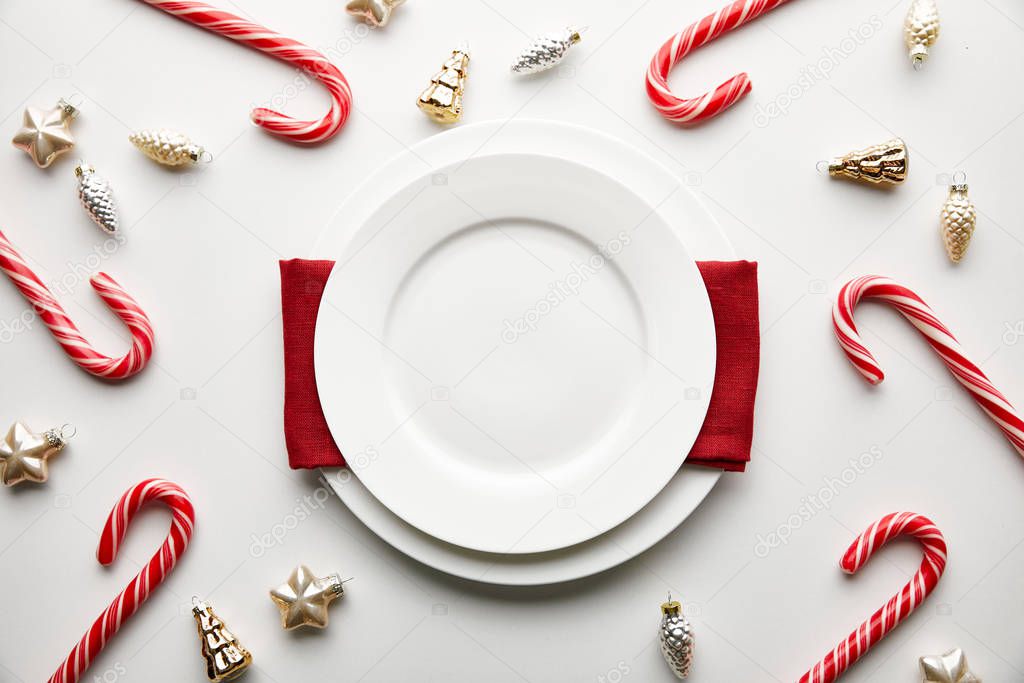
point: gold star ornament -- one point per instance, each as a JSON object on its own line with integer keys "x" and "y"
{"x": 376, "y": 13}
{"x": 948, "y": 668}
{"x": 44, "y": 135}
{"x": 303, "y": 599}
{"x": 23, "y": 453}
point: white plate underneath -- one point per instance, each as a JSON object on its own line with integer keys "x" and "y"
{"x": 703, "y": 238}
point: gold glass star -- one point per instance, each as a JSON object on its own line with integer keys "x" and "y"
{"x": 23, "y": 454}
{"x": 44, "y": 135}
{"x": 376, "y": 13}
{"x": 303, "y": 600}
{"x": 948, "y": 668}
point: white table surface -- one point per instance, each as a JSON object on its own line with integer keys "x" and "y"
{"x": 201, "y": 257}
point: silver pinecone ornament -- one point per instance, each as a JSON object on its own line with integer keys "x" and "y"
{"x": 545, "y": 52}
{"x": 920, "y": 30}
{"x": 676, "y": 636}
{"x": 97, "y": 198}
{"x": 168, "y": 147}
{"x": 959, "y": 219}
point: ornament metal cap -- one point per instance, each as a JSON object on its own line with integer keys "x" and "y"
{"x": 887, "y": 162}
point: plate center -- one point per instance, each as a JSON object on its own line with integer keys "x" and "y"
{"x": 528, "y": 334}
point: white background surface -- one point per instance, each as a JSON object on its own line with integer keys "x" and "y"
{"x": 202, "y": 257}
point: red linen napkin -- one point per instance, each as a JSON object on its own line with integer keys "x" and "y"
{"x": 723, "y": 442}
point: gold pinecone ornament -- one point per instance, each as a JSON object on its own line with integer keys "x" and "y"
{"x": 959, "y": 219}
{"x": 676, "y": 636}
{"x": 442, "y": 100}
{"x": 884, "y": 163}
{"x": 168, "y": 147}
{"x": 225, "y": 657}
{"x": 920, "y": 30}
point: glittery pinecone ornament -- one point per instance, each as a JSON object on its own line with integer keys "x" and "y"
{"x": 676, "y": 636}
{"x": 884, "y": 163}
{"x": 167, "y": 147}
{"x": 545, "y": 52}
{"x": 920, "y": 30}
{"x": 225, "y": 657}
{"x": 442, "y": 100}
{"x": 97, "y": 198}
{"x": 958, "y": 221}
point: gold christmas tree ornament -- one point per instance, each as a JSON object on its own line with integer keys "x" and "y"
{"x": 45, "y": 135}
{"x": 23, "y": 453}
{"x": 169, "y": 148}
{"x": 884, "y": 163}
{"x": 442, "y": 100}
{"x": 676, "y": 636}
{"x": 959, "y": 219}
{"x": 376, "y": 13}
{"x": 225, "y": 657}
{"x": 920, "y": 30}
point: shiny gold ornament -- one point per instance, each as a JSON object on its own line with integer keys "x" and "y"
{"x": 958, "y": 219}
{"x": 948, "y": 668}
{"x": 168, "y": 148}
{"x": 44, "y": 135}
{"x": 676, "y": 636}
{"x": 884, "y": 163}
{"x": 225, "y": 657}
{"x": 442, "y": 100}
{"x": 303, "y": 599}
{"x": 920, "y": 30}
{"x": 376, "y": 13}
{"x": 23, "y": 453}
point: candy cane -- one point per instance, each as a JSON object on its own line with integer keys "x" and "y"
{"x": 285, "y": 49}
{"x": 899, "y": 606}
{"x": 710, "y": 104}
{"x": 64, "y": 330}
{"x": 151, "y": 576}
{"x": 935, "y": 333}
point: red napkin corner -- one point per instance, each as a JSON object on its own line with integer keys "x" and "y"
{"x": 724, "y": 439}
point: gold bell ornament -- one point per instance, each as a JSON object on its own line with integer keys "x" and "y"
{"x": 920, "y": 30}
{"x": 442, "y": 100}
{"x": 225, "y": 657}
{"x": 169, "y": 148}
{"x": 676, "y": 637}
{"x": 45, "y": 135}
{"x": 884, "y": 163}
{"x": 959, "y": 219}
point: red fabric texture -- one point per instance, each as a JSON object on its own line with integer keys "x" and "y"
{"x": 724, "y": 439}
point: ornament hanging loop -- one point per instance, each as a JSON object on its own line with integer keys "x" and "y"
{"x": 67, "y": 431}
{"x": 959, "y": 180}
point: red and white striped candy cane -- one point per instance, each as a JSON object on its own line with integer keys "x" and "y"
{"x": 287, "y": 50}
{"x": 64, "y": 330}
{"x": 151, "y": 576}
{"x": 935, "y": 333}
{"x": 713, "y": 103}
{"x": 900, "y": 606}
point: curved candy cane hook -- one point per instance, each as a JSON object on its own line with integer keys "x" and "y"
{"x": 151, "y": 576}
{"x": 713, "y": 103}
{"x": 285, "y": 49}
{"x": 899, "y": 606}
{"x": 64, "y": 330}
{"x": 935, "y": 333}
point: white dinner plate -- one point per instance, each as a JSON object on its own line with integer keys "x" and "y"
{"x": 510, "y": 335}
{"x": 703, "y": 237}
